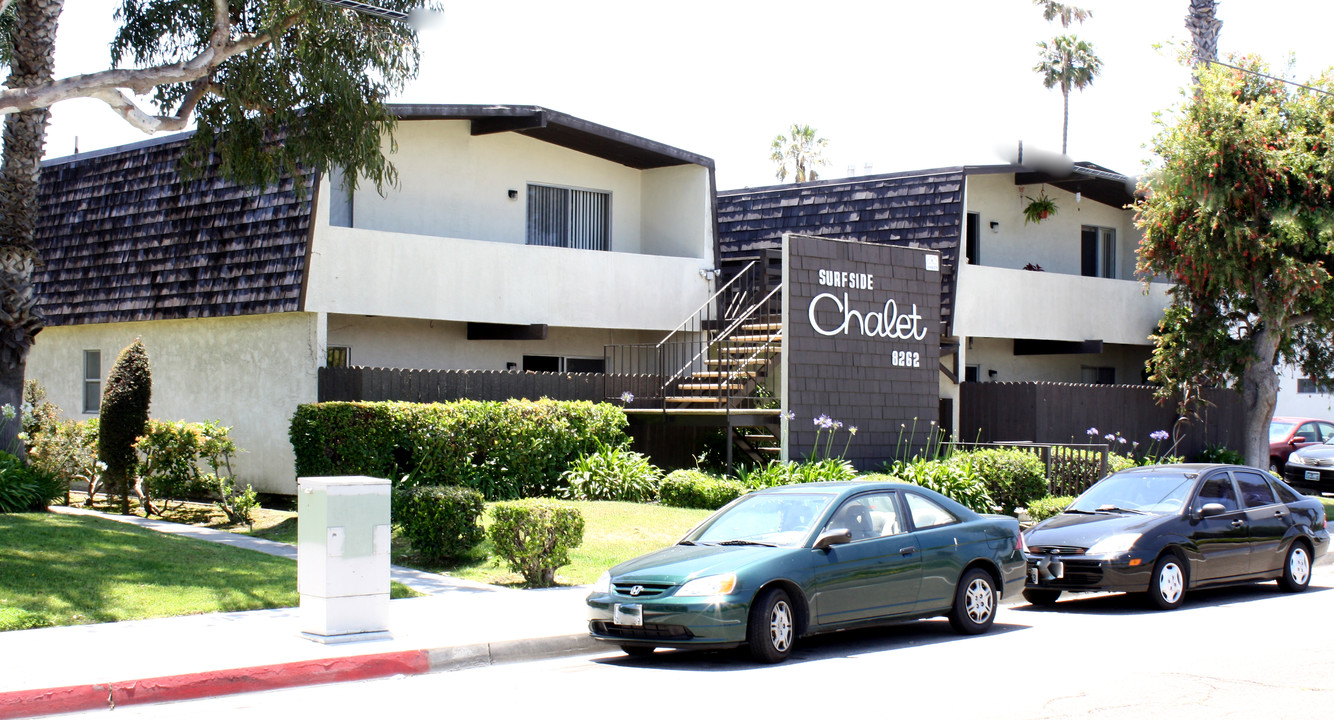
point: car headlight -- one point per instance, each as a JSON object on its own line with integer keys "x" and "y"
{"x": 602, "y": 584}
{"x": 1114, "y": 545}
{"x": 1295, "y": 459}
{"x": 710, "y": 586}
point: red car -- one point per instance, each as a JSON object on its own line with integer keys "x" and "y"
{"x": 1290, "y": 433}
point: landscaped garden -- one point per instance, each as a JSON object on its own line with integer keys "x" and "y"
{"x": 516, "y": 493}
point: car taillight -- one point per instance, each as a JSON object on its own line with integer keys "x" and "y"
{"x": 1020, "y": 545}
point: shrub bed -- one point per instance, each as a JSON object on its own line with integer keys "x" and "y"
{"x": 696, "y": 489}
{"x": 1012, "y": 477}
{"x": 504, "y": 450}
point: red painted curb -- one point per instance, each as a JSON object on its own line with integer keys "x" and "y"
{"x": 49, "y": 701}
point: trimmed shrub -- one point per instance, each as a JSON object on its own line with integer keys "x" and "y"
{"x": 612, "y": 473}
{"x": 1012, "y": 477}
{"x": 695, "y": 489}
{"x": 68, "y": 451}
{"x": 505, "y": 450}
{"x": 26, "y": 489}
{"x": 442, "y": 523}
{"x": 955, "y": 481}
{"x": 124, "y": 414}
{"x": 535, "y": 536}
{"x": 169, "y": 460}
{"x": 1050, "y": 506}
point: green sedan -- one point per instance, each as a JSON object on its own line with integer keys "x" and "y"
{"x": 787, "y": 562}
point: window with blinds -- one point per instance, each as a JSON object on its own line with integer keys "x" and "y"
{"x": 565, "y": 217}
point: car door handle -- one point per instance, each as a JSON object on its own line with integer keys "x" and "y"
{"x": 1278, "y": 513}
{"x": 1238, "y": 523}
{"x": 907, "y": 550}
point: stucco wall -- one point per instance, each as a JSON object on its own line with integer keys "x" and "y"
{"x": 248, "y": 372}
{"x": 998, "y": 354}
{"x": 439, "y": 345}
{"x": 452, "y": 184}
{"x": 1053, "y": 243}
{"x": 1291, "y": 402}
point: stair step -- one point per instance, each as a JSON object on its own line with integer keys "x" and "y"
{"x": 698, "y": 399}
{"x": 744, "y": 349}
{"x": 710, "y": 386}
{"x": 769, "y": 449}
{"x": 760, "y": 438}
{"x": 723, "y": 373}
{"x": 756, "y": 338}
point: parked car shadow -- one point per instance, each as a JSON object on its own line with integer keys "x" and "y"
{"x": 847, "y": 643}
{"x": 1137, "y": 604}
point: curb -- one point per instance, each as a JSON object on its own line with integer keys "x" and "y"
{"x": 98, "y": 696}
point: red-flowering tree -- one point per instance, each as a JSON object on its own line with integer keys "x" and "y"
{"x": 1241, "y": 217}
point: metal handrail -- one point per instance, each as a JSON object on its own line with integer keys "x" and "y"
{"x": 706, "y": 304}
{"x": 723, "y": 335}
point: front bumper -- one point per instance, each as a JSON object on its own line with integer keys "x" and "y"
{"x": 697, "y": 622}
{"x": 1086, "y": 573}
{"x": 1309, "y": 479}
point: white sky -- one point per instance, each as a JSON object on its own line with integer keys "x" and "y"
{"x": 895, "y": 84}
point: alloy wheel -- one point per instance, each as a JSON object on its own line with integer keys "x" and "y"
{"x": 780, "y": 626}
{"x": 979, "y": 601}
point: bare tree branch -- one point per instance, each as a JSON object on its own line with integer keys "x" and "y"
{"x": 108, "y": 85}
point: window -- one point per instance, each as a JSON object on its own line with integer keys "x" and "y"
{"x": 1218, "y": 489}
{"x": 1308, "y": 386}
{"x": 970, "y": 241}
{"x": 565, "y": 217}
{"x": 1097, "y": 375}
{"x": 338, "y": 356}
{"x": 556, "y": 363}
{"x": 868, "y": 516}
{"x": 927, "y": 514}
{"x": 1255, "y": 492}
{"x": 970, "y": 373}
{"x": 92, "y": 380}
{"x": 1098, "y": 252}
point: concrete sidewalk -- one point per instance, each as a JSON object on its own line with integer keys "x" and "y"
{"x": 460, "y": 624}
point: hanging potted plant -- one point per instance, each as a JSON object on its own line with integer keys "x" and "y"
{"x": 1039, "y": 208}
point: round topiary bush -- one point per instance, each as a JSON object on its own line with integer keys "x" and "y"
{"x": 535, "y": 536}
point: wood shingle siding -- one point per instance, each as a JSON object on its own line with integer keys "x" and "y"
{"x": 122, "y": 238}
{"x": 917, "y": 209}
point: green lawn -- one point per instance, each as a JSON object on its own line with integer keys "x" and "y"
{"x": 613, "y": 532}
{"x": 1329, "y": 508}
{"x": 72, "y": 570}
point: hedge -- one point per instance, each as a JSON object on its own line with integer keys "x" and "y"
{"x": 504, "y": 450}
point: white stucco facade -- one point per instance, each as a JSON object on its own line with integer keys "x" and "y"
{"x": 250, "y": 373}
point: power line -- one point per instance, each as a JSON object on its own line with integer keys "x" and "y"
{"x": 1245, "y": 70}
{"x": 368, "y": 9}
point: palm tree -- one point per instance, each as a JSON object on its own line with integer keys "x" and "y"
{"x": 32, "y": 41}
{"x": 801, "y": 150}
{"x": 1052, "y": 10}
{"x": 1070, "y": 63}
{"x": 1204, "y": 29}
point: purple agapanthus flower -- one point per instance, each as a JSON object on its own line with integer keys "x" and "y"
{"x": 1109, "y": 437}
{"x": 789, "y": 415}
{"x": 1159, "y": 435}
{"x": 1091, "y": 432}
{"x": 627, "y": 397}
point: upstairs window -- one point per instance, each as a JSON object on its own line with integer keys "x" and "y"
{"x": 566, "y": 217}
{"x": 1098, "y": 252}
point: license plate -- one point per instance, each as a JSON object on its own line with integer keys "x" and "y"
{"x": 1311, "y": 475}
{"x": 1032, "y": 576}
{"x": 631, "y": 615}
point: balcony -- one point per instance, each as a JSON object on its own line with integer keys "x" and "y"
{"x": 1003, "y": 303}
{"x": 370, "y": 272}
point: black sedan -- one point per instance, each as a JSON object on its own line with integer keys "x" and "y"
{"x": 1311, "y": 469}
{"x": 1165, "y": 529}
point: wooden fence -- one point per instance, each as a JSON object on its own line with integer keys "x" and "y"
{"x": 1071, "y": 468}
{"x": 1062, "y": 413}
{"x": 375, "y": 384}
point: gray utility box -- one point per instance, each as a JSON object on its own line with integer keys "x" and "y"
{"x": 342, "y": 575}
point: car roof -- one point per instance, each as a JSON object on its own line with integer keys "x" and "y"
{"x": 840, "y": 487}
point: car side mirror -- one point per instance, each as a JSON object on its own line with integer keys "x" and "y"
{"x": 837, "y": 536}
{"x": 1210, "y": 510}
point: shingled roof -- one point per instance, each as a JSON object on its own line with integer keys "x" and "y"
{"x": 916, "y": 209}
{"x": 121, "y": 238}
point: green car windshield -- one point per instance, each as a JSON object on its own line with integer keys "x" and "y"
{"x": 779, "y": 519}
{"x": 1137, "y": 493}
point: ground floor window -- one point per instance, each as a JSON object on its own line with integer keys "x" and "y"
{"x": 556, "y": 363}
{"x": 1098, "y": 375}
{"x": 1310, "y": 386}
{"x": 338, "y": 356}
{"x": 92, "y": 381}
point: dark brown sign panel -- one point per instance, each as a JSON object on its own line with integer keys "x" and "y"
{"x": 861, "y": 348}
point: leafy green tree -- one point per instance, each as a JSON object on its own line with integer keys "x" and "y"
{"x": 271, "y": 84}
{"x": 798, "y": 153}
{"x": 1241, "y": 217}
{"x": 1067, "y": 62}
{"x": 124, "y": 417}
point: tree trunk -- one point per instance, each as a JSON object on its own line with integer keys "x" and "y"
{"x": 1204, "y": 27}
{"x": 1065, "y": 120}
{"x": 1259, "y": 395}
{"x": 20, "y": 182}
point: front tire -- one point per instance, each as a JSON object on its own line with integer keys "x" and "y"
{"x": 974, "y": 603}
{"x": 1296, "y": 575}
{"x": 1042, "y": 598}
{"x": 1167, "y": 586}
{"x": 772, "y": 627}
